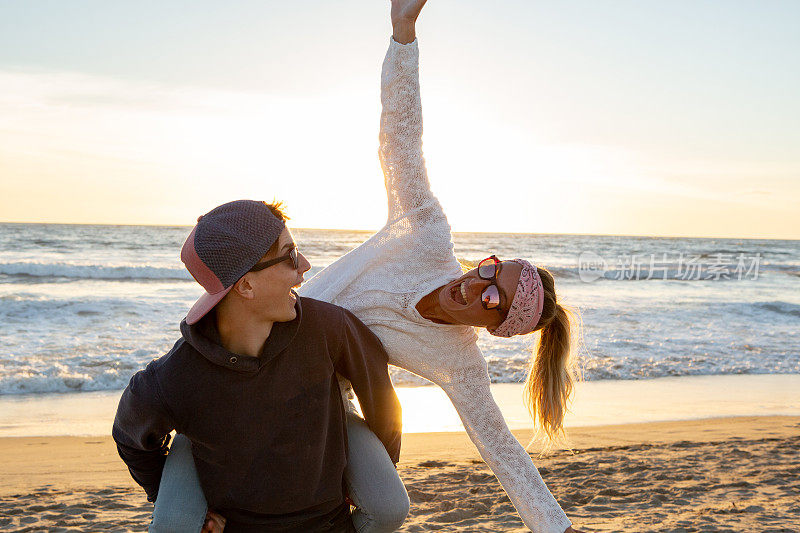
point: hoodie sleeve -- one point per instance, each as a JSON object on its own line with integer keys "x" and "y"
{"x": 141, "y": 430}
{"x": 363, "y": 360}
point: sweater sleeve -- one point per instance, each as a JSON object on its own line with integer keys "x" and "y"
{"x": 141, "y": 430}
{"x": 363, "y": 360}
{"x": 407, "y": 186}
{"x": 468, "y": 389}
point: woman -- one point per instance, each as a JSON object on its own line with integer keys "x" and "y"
{"x": 406, "y": 284}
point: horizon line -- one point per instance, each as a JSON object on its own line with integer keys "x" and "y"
{"x": 453, "y": 231}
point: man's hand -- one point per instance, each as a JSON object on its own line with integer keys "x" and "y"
{"x": 570, "y": 530}
{"x": 214, "y": 523}
{"x": 404, "y": 18}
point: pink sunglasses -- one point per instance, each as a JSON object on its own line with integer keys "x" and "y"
{"x": 488, "y": 269}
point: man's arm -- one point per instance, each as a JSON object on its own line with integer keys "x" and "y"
{"x": 363, "y": 360}
{"x": 141, "y": 430}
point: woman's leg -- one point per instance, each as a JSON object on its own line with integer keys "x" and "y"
{"x": 181, "y": 505}
{"x": 372, "y": 481}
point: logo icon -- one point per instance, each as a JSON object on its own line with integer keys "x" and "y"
{"x": 591, "y": 266}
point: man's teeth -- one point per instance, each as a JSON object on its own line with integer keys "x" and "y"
{"x": 464, "y": 291}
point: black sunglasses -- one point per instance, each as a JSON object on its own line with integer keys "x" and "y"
{"x": 266, "y": 264}
{"x": 488, "y": 269}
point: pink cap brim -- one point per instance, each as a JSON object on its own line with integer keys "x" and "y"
{"x": 204, "y": 304}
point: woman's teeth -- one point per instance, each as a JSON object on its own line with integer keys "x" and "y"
{"x": 459, "y": 293}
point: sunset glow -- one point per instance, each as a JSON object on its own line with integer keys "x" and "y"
{"x": 630, "y": 118}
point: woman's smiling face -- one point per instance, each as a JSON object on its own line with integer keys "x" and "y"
{"x": 461, "y": 301}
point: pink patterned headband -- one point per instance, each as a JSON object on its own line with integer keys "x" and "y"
{"x": 526, "y": 306}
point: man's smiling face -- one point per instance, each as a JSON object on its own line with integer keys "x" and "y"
{"x": 272, "y": 287}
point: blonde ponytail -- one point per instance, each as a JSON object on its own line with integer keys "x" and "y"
{"x": 551, "y": 372}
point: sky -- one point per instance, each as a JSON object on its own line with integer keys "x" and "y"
{"x": 636, "y": 117}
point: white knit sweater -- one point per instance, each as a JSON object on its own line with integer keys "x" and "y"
{"x": 382, "y": 280}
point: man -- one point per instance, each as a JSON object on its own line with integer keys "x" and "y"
{"x": 252, "y": 383}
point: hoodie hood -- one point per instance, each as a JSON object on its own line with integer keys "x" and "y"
{"x": 204, "y": 337}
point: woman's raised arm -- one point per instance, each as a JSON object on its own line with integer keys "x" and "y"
{"x": 407, "y": 186}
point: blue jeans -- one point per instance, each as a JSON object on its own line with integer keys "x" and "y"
{"x": 371, "y": 479}
{"x": 181, "y": 505}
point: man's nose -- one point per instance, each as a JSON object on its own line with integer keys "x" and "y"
{"x": 303, "y": 264}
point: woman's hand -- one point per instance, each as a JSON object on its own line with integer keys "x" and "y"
{"x": 404, "y": 18}
{"x": 214, "y": 523}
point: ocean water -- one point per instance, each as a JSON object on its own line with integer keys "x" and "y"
{"x": 84, "y": 307}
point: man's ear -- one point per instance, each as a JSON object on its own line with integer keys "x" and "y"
{"x": 243, "y": 288}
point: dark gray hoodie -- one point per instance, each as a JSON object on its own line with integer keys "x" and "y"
{"x": 268, "y": 433}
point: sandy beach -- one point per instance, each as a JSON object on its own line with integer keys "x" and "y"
{"x": 720, "y": 474}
